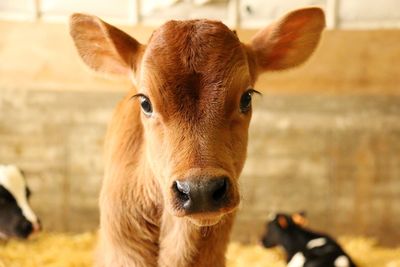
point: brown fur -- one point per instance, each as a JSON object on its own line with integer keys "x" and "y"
{"x": 194, "y": 72}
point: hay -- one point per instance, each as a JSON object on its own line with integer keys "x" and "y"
{"x": 49, "y": 250}
{"x": 62, "y": 250}
{"x": 366, "y": 253}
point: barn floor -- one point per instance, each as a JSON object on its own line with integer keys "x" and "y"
{"x": 62, "y": 250}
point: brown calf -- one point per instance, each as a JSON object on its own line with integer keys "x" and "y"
{"x": 177, "y": 142}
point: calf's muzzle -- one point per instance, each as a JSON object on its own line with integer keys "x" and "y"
{"x": 201, "y": 195}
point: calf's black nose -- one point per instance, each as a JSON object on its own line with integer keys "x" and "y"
{"x": 196, "y": 195}
{"x": 24, "y": 228}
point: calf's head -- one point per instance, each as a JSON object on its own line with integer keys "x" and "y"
{"x": 195, "y": 82}
{"x": 281, "y": 225}
{"x": 16, "y": 216}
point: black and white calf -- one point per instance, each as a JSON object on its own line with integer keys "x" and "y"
{"x": 16, "y": 216}
{"x": 304, "y": 248}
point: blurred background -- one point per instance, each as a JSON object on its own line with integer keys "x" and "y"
{"x": 325, "y": 137}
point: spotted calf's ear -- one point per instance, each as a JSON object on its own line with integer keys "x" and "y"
{"x": 303, "y": 213}
{"x": 103, "y": 47}
{"x": 287, "y": 42}
{"x": 282, "y": 221}
{"x": 300, "y": 219}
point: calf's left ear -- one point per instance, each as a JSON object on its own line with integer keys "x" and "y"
{"x": 288, "y": 42}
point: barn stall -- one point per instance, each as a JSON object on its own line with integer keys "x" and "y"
{"x": 324, "y": 137}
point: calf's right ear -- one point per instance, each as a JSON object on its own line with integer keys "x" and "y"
{"x": 300, "y": 219}
{"x": 103, "y": 47}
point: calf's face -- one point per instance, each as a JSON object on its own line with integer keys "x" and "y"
{"x": 16, "y": 216}
{"x": 195, "y": 83}
{"x": 276, "y": 228}
{"x": 200, "y": 98}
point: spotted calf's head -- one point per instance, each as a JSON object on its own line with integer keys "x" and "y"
{"x": 195, "y": 80}
{"x": 279, "y": 225}
{"x": 16, "y": 216}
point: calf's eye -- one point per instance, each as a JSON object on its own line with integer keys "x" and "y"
{"x": 146, "y": 105}
{"x": 245, "y": 100}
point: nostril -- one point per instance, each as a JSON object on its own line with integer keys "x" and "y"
{"x": 221, "y": 187}
{"x": 182, "y": 190}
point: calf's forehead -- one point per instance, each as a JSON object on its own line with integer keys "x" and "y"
{"x": 196, "y": 49}
{"x": 193, "y": 62}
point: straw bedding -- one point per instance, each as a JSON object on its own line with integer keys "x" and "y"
{"x": 63, "y": 250}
